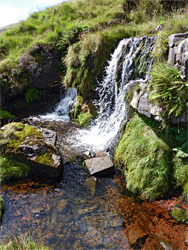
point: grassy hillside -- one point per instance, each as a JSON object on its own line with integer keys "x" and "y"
{"x": 80, "y": 35}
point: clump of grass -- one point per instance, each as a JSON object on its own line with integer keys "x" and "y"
{"x": 10, "y": 168}
{"x": 22, "y": 241}
{"x": 144, "y": 157}
{"x": 169, "y": 89}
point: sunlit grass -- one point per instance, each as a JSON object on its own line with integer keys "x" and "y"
{"x": 22, "y": 242}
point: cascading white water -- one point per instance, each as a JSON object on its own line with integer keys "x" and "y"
{"x": 61, "y": 112}
{"x": 129, "y": 64}
{"x": 113, "y": 108}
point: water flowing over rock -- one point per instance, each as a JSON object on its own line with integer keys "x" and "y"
{"x": 62, "y": 110}
{"x": 128, "y": 65}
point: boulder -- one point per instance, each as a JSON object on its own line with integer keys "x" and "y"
{"x": 100, "y": 166}
{"x": 178, "y": 52}
{"x": 140, "y": 102}
{"x": 35, "y": 147}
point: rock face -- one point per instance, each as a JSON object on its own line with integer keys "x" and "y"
{"x": 140, "y": 101}
{"x": 37, "y": 148}
{"x": 178, "y": 56}
{"x": 178, "y": 52}
{"x": 100, "y": 166}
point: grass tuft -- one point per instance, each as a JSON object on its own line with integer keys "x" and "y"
{"x": 144, "y": 157}
{"x": 23, "y": 241}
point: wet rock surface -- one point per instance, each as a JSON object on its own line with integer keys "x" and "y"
{"x": 100, "y": 166}
{"x": 27, "y": 144}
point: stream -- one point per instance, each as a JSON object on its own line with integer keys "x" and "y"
{"x": 79, "y": 211}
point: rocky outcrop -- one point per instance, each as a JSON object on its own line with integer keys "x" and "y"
{"x": 37, "y": 148}
{"x": 178, "y": 52}
{"x": 178, "y": 56}
{"x": 140, "y": 102}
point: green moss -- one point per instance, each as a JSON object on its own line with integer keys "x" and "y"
{"x": 180, "y": 214}
{"x": 84, "y": 119}
{"x": 15, "y": 133}
{"x": 2, "y": 207}
{"x": 45, "y": 158}
{"x": 77, "y": 110}
{"x": 9, "y": 168}
{"x": 185, "y": 192}
{"x": 4, "y": 114}
{"x": 144, "y": 157}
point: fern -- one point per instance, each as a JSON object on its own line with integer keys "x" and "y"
{"x": 169, "y": 89}
{"x": 32, "y": 95}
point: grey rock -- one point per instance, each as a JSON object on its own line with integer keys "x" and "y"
{"x": 100, "y": 166}
{"x": 178, "y": 52}
{"x": 158, "y": 28}
{"x": 50, "y": 136}
{"x": 142, "y": 104}
{"x": 175, "y": 38}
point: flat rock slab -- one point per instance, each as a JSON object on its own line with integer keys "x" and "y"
{"x": 100, "y": 166}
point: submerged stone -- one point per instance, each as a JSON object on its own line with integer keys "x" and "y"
{"x": 100, "y": 166}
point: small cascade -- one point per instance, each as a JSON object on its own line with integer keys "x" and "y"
{"x": 62, "y": 110}
{"x": 129, "y": 63}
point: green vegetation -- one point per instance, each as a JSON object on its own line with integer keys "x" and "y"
{"x": 82, "y": 113}
{"x": 180, "y": 214}
{"x": 2, "y": 207}
{"x": 144, "y": 158}
{"x": 84, "y": 33}
{"x": 9, "y": 168}
{"x": 4, "y": 114}
{"x": 84, "y": 119}
{"x": 153, "y": 159}
{"x": 23, "y": 242}
{"x": 169, "y": 89}
{"x": 180, "y": 162}
{"x": 15, "y": 133}
{"x": 45, "y": 158}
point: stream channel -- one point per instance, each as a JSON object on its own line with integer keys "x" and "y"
{"x": 79, "y": 211}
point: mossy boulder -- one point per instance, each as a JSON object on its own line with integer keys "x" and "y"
{"x": 27, "y": 144}
{"x": 144, "y": 158}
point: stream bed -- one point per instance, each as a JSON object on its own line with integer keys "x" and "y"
{"x": 81, "y": 212}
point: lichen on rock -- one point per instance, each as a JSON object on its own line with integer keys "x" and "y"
{"x": 27, "y": 144}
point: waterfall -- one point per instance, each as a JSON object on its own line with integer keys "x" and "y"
{"x": 62, "y": 110}
{"x": 129, "y": 63}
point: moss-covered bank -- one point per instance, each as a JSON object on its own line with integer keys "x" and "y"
{"x": 146, "y": 155}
